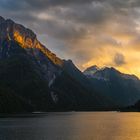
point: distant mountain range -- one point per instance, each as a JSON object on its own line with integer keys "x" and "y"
{"x": 32, "y": 78}
{"x": 123, "y": 89}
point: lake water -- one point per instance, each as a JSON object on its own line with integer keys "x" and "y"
{"x": 72, "y": 126}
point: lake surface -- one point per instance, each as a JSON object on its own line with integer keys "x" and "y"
{"x": 72, "y": 126}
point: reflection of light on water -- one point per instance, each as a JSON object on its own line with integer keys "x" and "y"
{"x": 72, "y": 126}
{"x": 107, "y": 126}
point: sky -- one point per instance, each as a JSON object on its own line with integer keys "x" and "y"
{"x": 89, "y": 32}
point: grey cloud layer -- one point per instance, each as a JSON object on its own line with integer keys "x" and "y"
{"x": 71, "y": 21}
{"x": 119, "y": 59}
{"x": 87, "y": 12}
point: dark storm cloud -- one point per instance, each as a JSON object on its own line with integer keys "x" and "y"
{"x": 63, "y": 30}
{"x": 71, "y": 18}
{"x": 38, "y": 4}
{"x": 41, "y": 4}
{"x": 85, "y": 12}
{"x": 119, "y": 59}
{"x": 77, "y": 12}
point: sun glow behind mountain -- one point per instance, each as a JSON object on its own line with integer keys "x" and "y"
{"x": 91, "y": 32}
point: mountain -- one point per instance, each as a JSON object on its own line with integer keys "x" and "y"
{"x": 135, "y": 107}
{"x": 123, "y": 89}
{"x": 91, "y": 70}
{"x": 32, "y": 78}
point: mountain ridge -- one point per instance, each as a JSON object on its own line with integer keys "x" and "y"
{"x": 25, "y": 37}
{"x": 89, "y": 72}
{"x": 124, "y": 89}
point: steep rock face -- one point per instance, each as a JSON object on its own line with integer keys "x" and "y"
{"x": 33, "y": 80}
{"x": 25, "y": 37}
{"x": 10, "y": 31}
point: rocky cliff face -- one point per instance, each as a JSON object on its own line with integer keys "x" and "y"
{"x": 26, "y": 38}
{"x": 14, "y": 38}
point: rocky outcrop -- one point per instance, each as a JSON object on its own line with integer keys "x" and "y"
{"x": 25, "y": 37}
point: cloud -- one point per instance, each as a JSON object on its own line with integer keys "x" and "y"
{"x": 101, "y": 32}
{"x": 119, "y": 59}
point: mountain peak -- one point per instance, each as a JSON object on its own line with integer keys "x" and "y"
{"x": 106, "y": 73}
{"x": 1, "y": 19}
{"x": 94, "y": 67}
{"x": 91, "y": 70}
{"x": 9, "y": 21}
{"x": 25, "y": 37}
{"x": 109, "y": 69}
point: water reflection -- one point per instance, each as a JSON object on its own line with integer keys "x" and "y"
{"x": 73, "y": 126}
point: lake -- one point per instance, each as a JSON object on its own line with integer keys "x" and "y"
{"x": 72, "y": 126}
